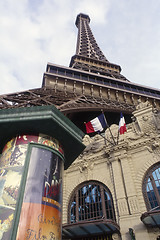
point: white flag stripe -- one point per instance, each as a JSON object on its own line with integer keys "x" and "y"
{"x": 96, "y": 124}
{"x": 122, "y": 122}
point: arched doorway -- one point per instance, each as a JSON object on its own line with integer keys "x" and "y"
{"x": 91, "y": 213}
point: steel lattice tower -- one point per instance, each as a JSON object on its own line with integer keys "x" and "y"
{"x": 90, "y": 84}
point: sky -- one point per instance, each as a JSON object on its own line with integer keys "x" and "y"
{"x": 35, "y": 32}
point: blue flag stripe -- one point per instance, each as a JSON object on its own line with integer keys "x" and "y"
{"x": 102, "y": 120}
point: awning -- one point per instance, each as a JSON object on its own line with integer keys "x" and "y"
{"x": 89, "y": 228}
{"x": 151, "y": 219}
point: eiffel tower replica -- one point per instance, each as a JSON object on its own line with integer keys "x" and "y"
{"x": 89, "y": 85}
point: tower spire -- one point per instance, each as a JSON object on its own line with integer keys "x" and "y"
{"x": 89, "y": 56}
{"x": 86, "y": 43}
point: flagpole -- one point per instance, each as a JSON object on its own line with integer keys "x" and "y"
{"x": 102, "y": 135}
{"x": 109, "y": 129}
{"x": 106, "y": 139}
{"x": 118, "y": 136}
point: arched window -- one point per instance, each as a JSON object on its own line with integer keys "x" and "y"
{"x": 151, "y": 188}
{"x": 91, "y": 201}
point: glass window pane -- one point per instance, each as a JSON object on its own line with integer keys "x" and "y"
{"x": 89, "y": 205}
{"x": 156, "y": 176}
{"x": 149, "y": 185}
{"x": 152, "y": 187}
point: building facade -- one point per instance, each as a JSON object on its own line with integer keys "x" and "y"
{"x": 112, "y": 191}
{"x": 116, "y": 188}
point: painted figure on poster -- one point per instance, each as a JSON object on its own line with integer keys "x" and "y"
{"x": 52, "y": 181}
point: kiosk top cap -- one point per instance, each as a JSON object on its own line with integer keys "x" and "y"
{"x": 46, "y": 120}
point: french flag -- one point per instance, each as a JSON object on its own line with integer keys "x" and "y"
{"x": 122, "y": 125}
{"x": 96, "y": 125}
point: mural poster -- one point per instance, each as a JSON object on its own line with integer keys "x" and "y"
{"x": 11, "y": 169}
{"x": 41, "y": 208}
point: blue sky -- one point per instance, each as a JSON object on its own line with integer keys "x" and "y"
{"x": 34, "y": 32}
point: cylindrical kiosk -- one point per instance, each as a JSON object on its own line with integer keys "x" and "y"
{"x": 31, "y": 166}
{"x": 31, "y": 170}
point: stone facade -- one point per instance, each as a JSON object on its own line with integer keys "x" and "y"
{"x": 122, "y": 168}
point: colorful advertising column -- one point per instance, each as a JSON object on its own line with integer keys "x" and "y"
{"x": 31, "y": 168}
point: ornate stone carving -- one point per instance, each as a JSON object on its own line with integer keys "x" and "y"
{"x": 111, "y": 135}
{"x": 122, "y": 206}
{"x": 155, "y": 145}
{"x": 95, "y": 146}
{"x": 87, "y": 140}
{"x": 115, "y": 236}
{"x": 142, "y": 104}
{"x": 135, "y": 137}
{"x": 145, "y": 118}
{"x": 86, "y": 166}
{"x": 157, "y": 118}
{"x": 133, "y": 203}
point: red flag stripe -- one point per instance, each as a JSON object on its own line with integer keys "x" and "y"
{"x": 89, "y": 127}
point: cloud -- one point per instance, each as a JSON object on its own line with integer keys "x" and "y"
{"x": 97, "y": 10}
{"x": 36, "y": 32}
{"x": 133, "y": 40}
